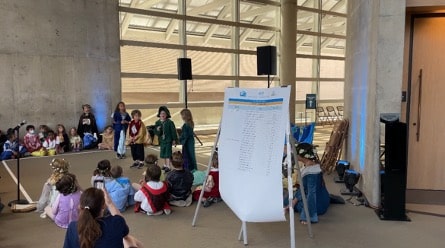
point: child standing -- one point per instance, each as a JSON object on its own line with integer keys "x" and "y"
{"x": 152, "y": 194}
{"x": 65, "y": 207}
{"x": 59, "y": 168}
{"x": 62, "y": 140}
{"x": 120, "y": 123}
{"x": 211, "y": 186}
{"x": 107, "y": 139}
{"x": 87, "y": 125}
{"x": 137, "y": 134}
{"x": 75, "y": 140}
{"x": 179, "y": 183}
{"x": 50, "y": 144}
{"x": 32, "y": 141}
{"x": 166, "y": 131}
{"x": 120, "y": 189}
{"x": 187, "y": 139}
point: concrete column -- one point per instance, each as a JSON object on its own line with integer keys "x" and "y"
{"x": 55, "y": 56}
{"x": 288, "y": 50}
{"x": 374, "y": 69}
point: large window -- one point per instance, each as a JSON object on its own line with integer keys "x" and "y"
{"x": 221, "y": 37}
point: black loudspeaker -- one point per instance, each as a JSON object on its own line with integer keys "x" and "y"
{"x": 394, "y": 177}
{"x": 184, "y": 68}
{"x": 266, "y": 60}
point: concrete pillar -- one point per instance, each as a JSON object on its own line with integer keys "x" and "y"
{"x": 55, "y": 56}
{"x": 374, "y": 66}
{"x": 288, "y": 50}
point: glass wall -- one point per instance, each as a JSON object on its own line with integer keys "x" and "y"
{"x": 221, "y": 38}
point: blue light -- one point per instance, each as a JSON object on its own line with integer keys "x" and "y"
{"x": 358, "y": 112}
{"x": 100, "y": 111}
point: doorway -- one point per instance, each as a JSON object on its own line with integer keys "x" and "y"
{"x": 426, "y": 111}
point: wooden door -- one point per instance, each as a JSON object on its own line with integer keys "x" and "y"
{"x": 426, "y": 141}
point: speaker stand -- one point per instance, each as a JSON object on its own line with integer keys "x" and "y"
{"x": 339, "y": 180}
{"x": 18, "y": 200}
{"x": 268, "y": 80}
{"x": 355, "y": 192}
{"x": 381, "y": 214}
{"x": 185, "y": 93}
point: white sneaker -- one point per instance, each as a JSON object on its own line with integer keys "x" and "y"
{"x": 156, "y": 213}
{"x": 189, "y": 200}
{"x": 167, "y": 211}
{"x": 43, "y": 215}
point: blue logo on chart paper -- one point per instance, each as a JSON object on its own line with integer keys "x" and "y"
{"x": 243, "y": 93}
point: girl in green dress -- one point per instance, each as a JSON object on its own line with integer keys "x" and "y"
{"x": 187, "y": 139}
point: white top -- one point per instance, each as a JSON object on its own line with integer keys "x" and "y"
{"x": 310, "y": 169}
{"x": 140, "y": 197}
{"x": 49, "y": 144}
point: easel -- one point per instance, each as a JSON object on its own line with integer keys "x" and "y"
{"x": 243, "y": 232}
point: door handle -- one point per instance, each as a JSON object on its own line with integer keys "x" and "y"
{"x": 419, "y": 104}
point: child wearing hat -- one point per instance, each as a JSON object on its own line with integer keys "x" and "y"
{"x": 314, "y": 186}
{"x": 166, "y": 131}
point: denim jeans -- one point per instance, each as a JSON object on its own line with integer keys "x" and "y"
{"x": 316, "y": 195}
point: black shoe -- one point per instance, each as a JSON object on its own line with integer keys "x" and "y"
{"x": 140, "y": 165}
{"x": 118, "y": 156}
{"x": 166, "y": 169}
{"x": 207, "y": 202}
{"x": 135, "y": 164}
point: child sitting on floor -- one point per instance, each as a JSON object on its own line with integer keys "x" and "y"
{"x": 11, "y": 148}
{"x": 31, "y": 141}
{"x": 102, "y": 172}
{"x": 120, "y": 189}
{"x": 75, "y": 140}
{"x": 314, "y": 187}
{"x": 59, "y": 168}
{"x": 65, "y": 206}
{"x": 49, "y": 144}
{"x": 211, "y": 186}
{"x": 152, "y": 194}
{"x": 107, "y": 139}
{"x": 179, "y": 182}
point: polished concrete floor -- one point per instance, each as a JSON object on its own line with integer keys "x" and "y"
{"x": 343, "y": 226}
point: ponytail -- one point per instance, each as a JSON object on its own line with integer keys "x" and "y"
{"x": 88, "y": 227}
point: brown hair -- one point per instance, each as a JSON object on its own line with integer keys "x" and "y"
{"x": 136, "y": 112}
{"x": 153, "y": 173}
{"x": 187, "y": 117}
{"x": 91, "y": 204}
{"x": 67, "y": 184}
{"x": 215, "y": 162}
{"x": 177, "y": 160}
{"x": 117, "y": 107}
{"x": 116, "y": 171}
{"x": 103, "y": 168}
{"x": 151, "y": 159}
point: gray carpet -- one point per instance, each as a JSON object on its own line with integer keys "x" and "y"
{"x": 342, "y": 226}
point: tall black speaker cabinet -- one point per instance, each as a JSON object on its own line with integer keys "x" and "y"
{"x": 393, "y": 179}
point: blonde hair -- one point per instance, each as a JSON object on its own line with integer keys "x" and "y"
{"x": 60, "y": 167}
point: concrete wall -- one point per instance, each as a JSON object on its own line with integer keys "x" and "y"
{"x": 374, "y": 65}
{"x": 56, "y": 55}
